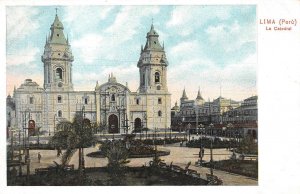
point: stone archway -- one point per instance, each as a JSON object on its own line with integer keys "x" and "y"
{"x": 113, "y": 124}
{"x": 137, "y": 124}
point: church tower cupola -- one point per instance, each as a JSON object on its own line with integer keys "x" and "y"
{"x": 57, "y": 34}
{"x": 184, "y": 96}
{"x": 199, "y": 97}
{"x": 152, "y": 40}
{"x": 57, "y": 59}
{"x": 199, "y": 100}
{"x": 153, "y": 65}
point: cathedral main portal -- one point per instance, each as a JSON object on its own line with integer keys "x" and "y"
{"x": 113, "y": 124}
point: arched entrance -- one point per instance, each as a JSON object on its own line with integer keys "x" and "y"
{"x": 137, "y": 124}
{"x": 113, "y": 126}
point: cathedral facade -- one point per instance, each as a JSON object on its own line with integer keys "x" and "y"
{"x": 111, "y": 104}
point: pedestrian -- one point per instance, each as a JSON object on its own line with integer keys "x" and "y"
{"x": 58, "y": 151}
{"x": 39, "y": 157}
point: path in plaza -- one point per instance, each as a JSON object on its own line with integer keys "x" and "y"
{"x": 179, "y": 156}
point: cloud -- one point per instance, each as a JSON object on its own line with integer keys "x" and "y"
{"x": 237, "y": 80}
{"x": 90, "y": 16}
{"x": 21, "y": 22}
{"x": 104, "y": 46}
{"x": 128, "y": 21}
{"x": 186, "y": 18}
{"x": 232, "y": 36}
{"x": 23, "y": 57}
{"x": 90, "y": 46}
{"x": 185, "y": 48}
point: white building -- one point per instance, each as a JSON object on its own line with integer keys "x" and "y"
{"x": 109, "y": 104}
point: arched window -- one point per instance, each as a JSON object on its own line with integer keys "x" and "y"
{"x": 159, "y": 113}
{"x": 159, "y": 101}
{"x": 113, "y": 98}
{"x": 59, "y": 74}
{"x": 59, "y": 99}
{"x": 157, "y": 77}
{"x": 59, "y": 113}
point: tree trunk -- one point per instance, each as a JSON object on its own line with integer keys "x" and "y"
{"x": 82, "y": 160}
{"x": 79, "y": 157}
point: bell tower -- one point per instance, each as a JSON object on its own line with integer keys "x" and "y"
{"x": 153, "y": 65}
{"x": 57, "y": 59}
{"x": 153, "y": 89}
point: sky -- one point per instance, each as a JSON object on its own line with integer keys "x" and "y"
{"x": 208, "y": 47}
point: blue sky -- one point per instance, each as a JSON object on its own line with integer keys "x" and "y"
{"x": 210, "y": 47}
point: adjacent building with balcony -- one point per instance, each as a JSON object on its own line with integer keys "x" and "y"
{"x": 224, "y": 114}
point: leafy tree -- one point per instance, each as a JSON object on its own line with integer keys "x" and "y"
{"x": 117, "y": 155}
{"x": 74, "y": 135}
{"x": 248, "y": 145}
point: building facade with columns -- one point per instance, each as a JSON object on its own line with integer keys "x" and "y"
{"x": 220, "y": 112}
{"x": 111, "y": 104}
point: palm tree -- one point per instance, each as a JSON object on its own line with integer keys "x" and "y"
{"x": 117, "y": 155}
{"x": 74, "y": 135}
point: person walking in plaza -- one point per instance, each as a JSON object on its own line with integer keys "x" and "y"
{"x": 58, "y": 152}
{"x": 39, "y": 157}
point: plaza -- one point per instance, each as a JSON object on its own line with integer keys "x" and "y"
{"x": 179, "y": 156}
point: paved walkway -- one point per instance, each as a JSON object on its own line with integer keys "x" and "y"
{"x": 179, "y": 156}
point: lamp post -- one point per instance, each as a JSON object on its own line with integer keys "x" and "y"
{"x": 227, "y": 134}
{"x": 20, "y": 156}
{"x": 126, "y": 124}
{"x": 26, "y": 149}
{"x": 38, "y": 131}
{"x": 81, "y": 156}
{"x": 155, "y": 146}
{"x": 196, "y": 109}
{"x": 189, "y": 129}
{"x": 211, "y": 150}
{"x": 201, "y": 127}
{"x": 54, "y": 119}
{"x": 201, "y": 151}
{"x": 229, "y": 127}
